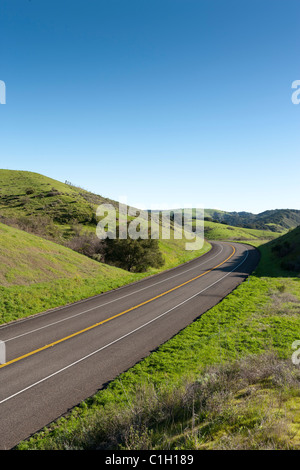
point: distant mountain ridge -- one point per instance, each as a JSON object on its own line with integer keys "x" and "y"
{"x": 275, "y": 220}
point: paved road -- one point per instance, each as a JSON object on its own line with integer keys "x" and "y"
{"x": 56, "y": 359}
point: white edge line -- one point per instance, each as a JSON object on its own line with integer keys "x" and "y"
{"x": 121, "y": 337}
{"x": 109, "y": 302}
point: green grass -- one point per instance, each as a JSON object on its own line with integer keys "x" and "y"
{"x": 278, "y": 220}
{"x": 27, "y": 259}
{"x": 143, "y": 407}
{"x": 155, "y": 405}
{"x": 48, "y": 208}
{"x": 283, "y": 255}
{"x": 218, "y": 231}
{"x": 37, "y": 274}
{"x": 24, "y": 193}
{"x": 32, "y": 196}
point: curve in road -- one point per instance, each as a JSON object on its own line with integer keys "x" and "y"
{"x": 58, "y": 358}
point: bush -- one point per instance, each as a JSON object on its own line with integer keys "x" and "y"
{"x": 282, "y": 249}
{"x": 29, "y": 191}
{"x": 87, "y": 244}
{"x": 133, "y": 255}
{"x": 38, "y": 225}
{"x": 53, "y": 192}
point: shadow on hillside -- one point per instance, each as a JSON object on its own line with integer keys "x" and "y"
{"x": 275, "y": 261}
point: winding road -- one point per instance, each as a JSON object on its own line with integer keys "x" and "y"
{"x": 58, "y": 358}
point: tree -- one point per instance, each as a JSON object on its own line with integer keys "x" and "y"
{"x": 133, "y": 255}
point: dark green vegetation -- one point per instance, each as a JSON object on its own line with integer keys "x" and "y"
{"x": 281, "y": 256}
{"x": 287, "y": 250}
{"x": 133, "y": 255}
{"x": 225, "y": 382}
{"x": 275, "y": 220}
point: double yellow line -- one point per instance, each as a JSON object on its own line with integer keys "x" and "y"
{"x": 115, "y": 316}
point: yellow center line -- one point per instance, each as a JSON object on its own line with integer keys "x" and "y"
{"x": 115, "y": 316}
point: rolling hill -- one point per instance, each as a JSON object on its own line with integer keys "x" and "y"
{"x": 48, "y": 208}
{"x": 287, "y": 249}
{"x": 220, "y": 231}
{"x": 24, "y": 194}
{"x": 26, "y": 259}
{"x": 277, "y": 220}
{"x": 282, "y": 255}
{"x": 27, "y": 194}
{"x": 44, "y": 206}
{"x": 54, "y": 210}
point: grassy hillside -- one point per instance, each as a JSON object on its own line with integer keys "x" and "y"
{"x": 37, "y": 274}
{"x": 284, "y": 254}
{"x": 51, "y": 209}
{"x": 214, "y": 230}
{"x": 48, "y": 207}
{"x": 26, "y": 259}
{"x": 23, "y": 193}
{"x": 225, "y": 382}
{"x": 218, "y": 231}
{"x": 278, "y": 220}
{"x": 33, "y": 200}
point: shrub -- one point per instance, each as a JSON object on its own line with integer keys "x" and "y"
{"x": 133, "y": 255}
{"x": 53, "y": 192}
{"x": 29, "y": 191}
{"x": 87, "y": 244}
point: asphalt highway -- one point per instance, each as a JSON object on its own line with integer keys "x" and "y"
{"x": 56, "y": 359}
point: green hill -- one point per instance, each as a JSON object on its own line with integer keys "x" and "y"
{"x": 277, "y": 220}
{"x": 23, "y": 193}
{"x": 283, "y": 254}
{"x": 26, "y": 259}
{"x": 37, "y": 274}
{"x": 45, "y": 206}
{"x": 220, "y": 231}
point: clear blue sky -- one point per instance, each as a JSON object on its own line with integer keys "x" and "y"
{"x": 166, "y": 102}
